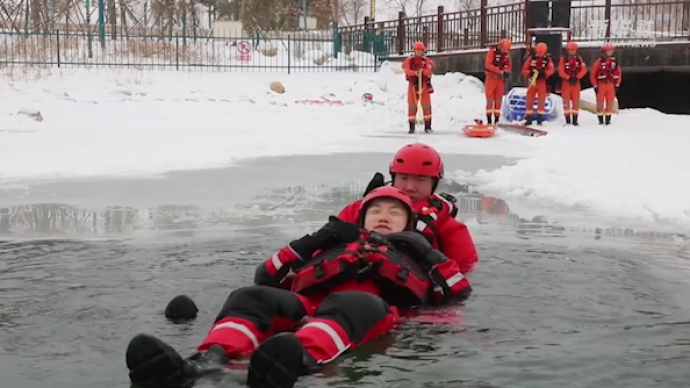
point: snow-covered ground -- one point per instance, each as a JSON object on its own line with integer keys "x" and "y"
{"x": 144, "y": 123}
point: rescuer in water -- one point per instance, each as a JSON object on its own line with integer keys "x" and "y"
{"x": 416, "y": 169}
{"x": 349, "y": 280}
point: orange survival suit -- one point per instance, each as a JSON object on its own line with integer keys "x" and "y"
{"x": 536, "y": 69}
{"x": 571, "y": 69}
{"x": 606, "y": 76}
{"x": 497, "y": 68}
{"x": 418, "y": 72}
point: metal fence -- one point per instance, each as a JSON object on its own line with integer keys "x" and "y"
{"x": 618, "y": 21}
{"x": 301, "y": 52}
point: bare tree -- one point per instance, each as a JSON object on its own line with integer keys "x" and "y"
{"x": 415, "y": 6}
{"x": 466, "y": 5}
{"x": 352, "y": 11}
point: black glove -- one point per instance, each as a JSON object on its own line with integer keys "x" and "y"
{"x": 572, "y": 80}
{"x": 416, "y": 244}
{"x": 334, "y": 233}
{"x": 506, "y": 75}
{"x": 617, "y": 88}
{"x": 541, "y": 74}
{"x": 375, "y": 182}
{"x": 596, "y": 90}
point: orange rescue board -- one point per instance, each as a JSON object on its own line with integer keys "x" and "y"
{"x": 479, "y": 130}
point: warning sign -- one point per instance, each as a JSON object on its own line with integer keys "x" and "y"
{"x": 244, "y": 51}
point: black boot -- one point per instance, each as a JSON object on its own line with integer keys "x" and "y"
{"x": 540, "y": 119}
{"x": 567, "y": 119}
{"x": 413, "y": 127}
{"x": 496, "y": 117}
{"x": 575, "y": 123}
{"x": 607, "y": 119}
{"x": 427, "y": 126}
{"x": 152, "y": 362}
{"x": 278, "y": 362}
{"x": 601, "y": 119}
{"x": 488, "y": 118}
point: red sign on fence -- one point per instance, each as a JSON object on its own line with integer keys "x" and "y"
{"x": 244, "y": 51}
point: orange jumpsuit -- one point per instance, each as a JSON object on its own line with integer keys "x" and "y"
{"x": 412, "y": 67}
{"x": 533, "y": 64}
{"x": 494, "y": 83}
{"x": 571, "y": 66}
{"x": 606, "y": 76}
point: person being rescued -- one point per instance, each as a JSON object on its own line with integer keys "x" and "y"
{"x": 606, "y": 76}
{"x": 351, "y": 280}
{"x": 537, "y": 69}
{"x": 571, "y": 69}
{"x": 418, "y": 72}
{"x": 497, "y": 68}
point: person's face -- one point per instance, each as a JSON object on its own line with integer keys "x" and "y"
{"x": 386, "y": 216}
{"x": 418, "y": 53}
{"x": 416, "y": 187}
{"x": 608, "y": 53}
{"x": 571, "y": 52}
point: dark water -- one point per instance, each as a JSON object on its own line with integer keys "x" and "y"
{"x": 97, "y": 261}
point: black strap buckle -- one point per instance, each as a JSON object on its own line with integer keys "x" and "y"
{"x": 402, "y": 274}
{"x": 318, "y": 269}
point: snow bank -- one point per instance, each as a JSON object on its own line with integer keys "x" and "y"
{"x": 133, "y": 122}
{"x": 634, "y": 169}
{"x": 145, "y": 123}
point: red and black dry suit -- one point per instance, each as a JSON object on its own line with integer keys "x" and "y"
{"x": 351, "y": 294}
{"x": 435, "y": 218}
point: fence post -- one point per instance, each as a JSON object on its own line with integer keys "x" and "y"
{"x": 177, "y": 51}
{"x": 439, "y": 29}
{"x": 607, "y": 16}
{"x": 401, "y": 33}
{"x": 101, "y": 23}
{"x": 288, "y": 53}
{"x": 483, "y": 39}
{"x": 57, "y": 34}
{"x": 336, "y": 40}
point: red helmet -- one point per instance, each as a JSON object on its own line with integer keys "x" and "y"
{"x": 386, "y": 192}
{"x": 417, "y": 159}
{"x": 419, "y": 46}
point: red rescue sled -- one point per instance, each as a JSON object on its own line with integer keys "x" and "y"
{"x": 479, "y": 130}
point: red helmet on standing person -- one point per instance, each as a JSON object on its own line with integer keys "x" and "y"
{"x": 389, "y": 192}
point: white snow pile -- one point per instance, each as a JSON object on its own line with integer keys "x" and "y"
{"x": 145, "y": 123}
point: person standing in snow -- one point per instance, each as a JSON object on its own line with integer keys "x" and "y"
{"x": 571, "y": 69}
{"x": 537, "y": 68}
{"x": 606, "y": 77}
{"x": 418, "y": 74}
{"x": 497, "y": 68}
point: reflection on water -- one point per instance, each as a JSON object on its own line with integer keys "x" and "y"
{"x": 285, "y": 205}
